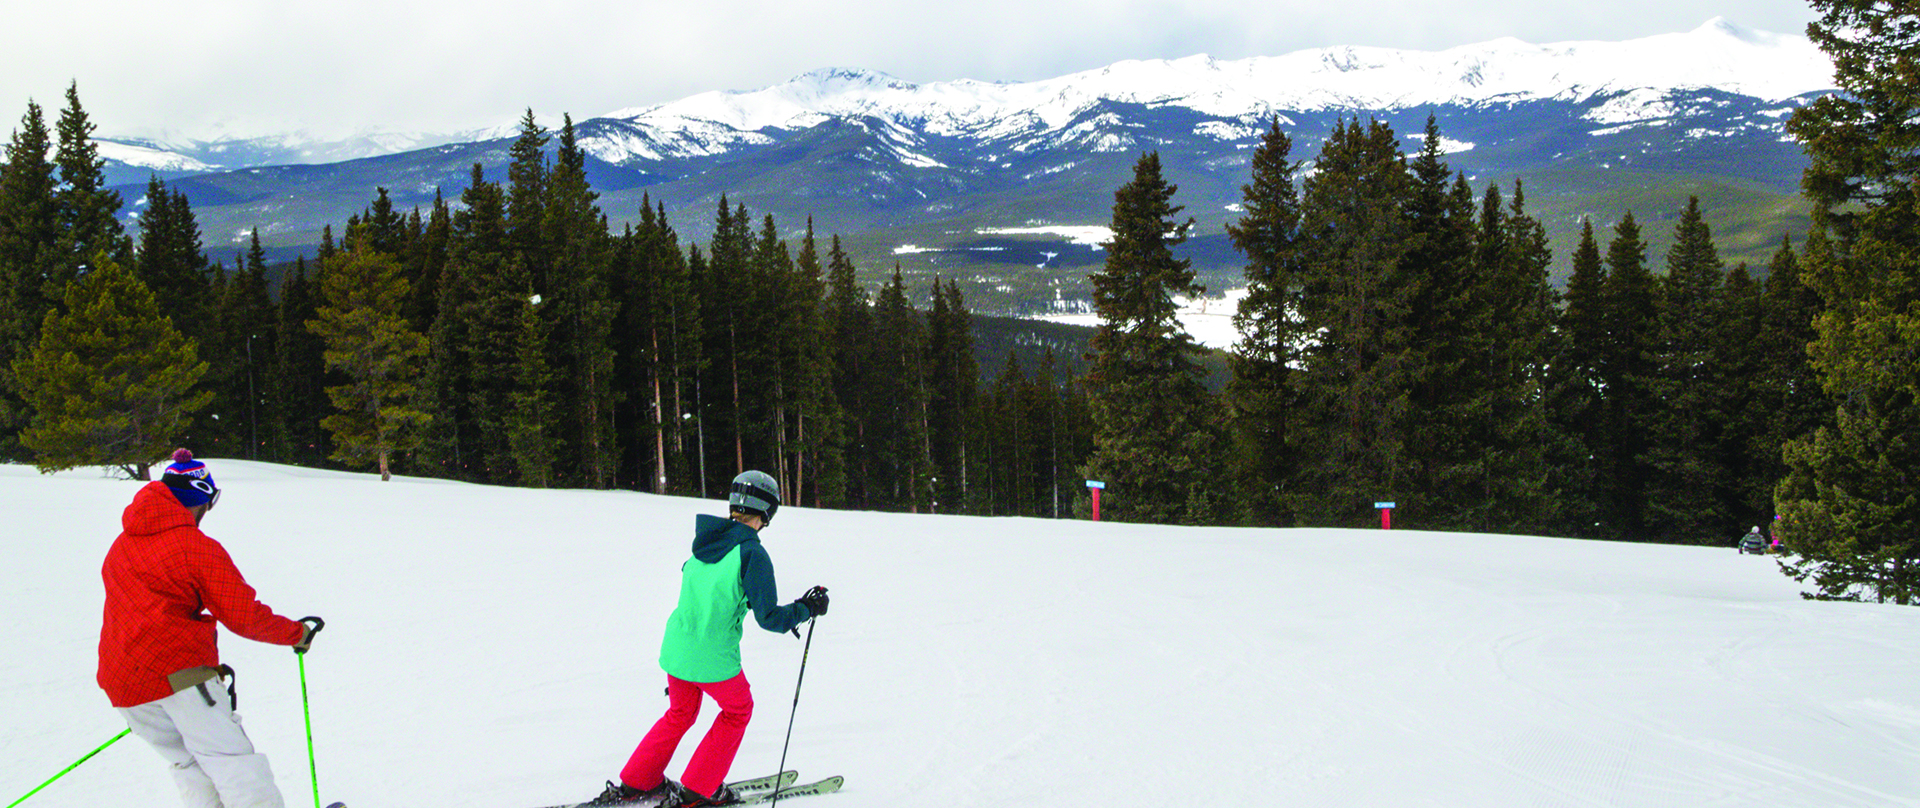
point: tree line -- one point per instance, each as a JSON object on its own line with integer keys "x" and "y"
{"x": 510, "y": 337}
{"x": 1400, "y": 341}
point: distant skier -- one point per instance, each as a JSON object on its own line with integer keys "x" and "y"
{"x": 167, "y": 583}
{"x": 728, "y": 573}
{"x": 1753, "y": 542}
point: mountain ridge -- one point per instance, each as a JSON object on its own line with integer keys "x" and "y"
{"x": 1590, "y": 127}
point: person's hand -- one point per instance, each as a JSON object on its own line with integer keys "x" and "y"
{"x": 313, "y": 624}
{"x": 815, "y": 600}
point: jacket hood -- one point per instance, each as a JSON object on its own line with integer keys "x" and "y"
{"x": 154, "y": 510}
{"x": 714, "y": 537}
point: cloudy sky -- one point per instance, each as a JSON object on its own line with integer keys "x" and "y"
{"x": 244, "y": 67}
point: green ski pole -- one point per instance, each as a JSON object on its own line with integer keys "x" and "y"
{"x": 313, "y": 768}
{"x": 76, "y": 764}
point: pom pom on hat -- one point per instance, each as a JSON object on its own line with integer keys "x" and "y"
{"x": 190, "y": 480}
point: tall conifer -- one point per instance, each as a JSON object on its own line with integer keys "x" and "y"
{"x": 1154, "y": 445}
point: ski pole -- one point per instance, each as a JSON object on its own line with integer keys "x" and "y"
{"x": 796, "y": 709}
{"x": 313, "y": 769}
{"x": 76, "y": 764}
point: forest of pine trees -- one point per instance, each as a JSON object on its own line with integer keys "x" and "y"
{"x": 1400, "y": 340}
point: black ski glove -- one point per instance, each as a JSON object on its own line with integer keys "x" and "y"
{"x": 815, "y": 600}
{"x": 313, "y": 624}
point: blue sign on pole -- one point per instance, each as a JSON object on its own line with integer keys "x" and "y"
{"x": 1096, "y": 484}
{"x": 1382, "y": 504}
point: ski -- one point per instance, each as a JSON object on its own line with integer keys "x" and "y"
{"x": 767, "y": 783}
{"x": 827, "y": 786}
{"x": 750, "y": 789}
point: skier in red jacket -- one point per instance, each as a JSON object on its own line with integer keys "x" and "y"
{"x": 167, "y": 584}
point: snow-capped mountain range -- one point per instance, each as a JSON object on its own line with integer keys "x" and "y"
{"x": 1719, "y": 55}
{"x": 884, "y": 161}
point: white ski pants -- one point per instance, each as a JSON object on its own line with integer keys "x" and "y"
{"x": 213, "y": 762}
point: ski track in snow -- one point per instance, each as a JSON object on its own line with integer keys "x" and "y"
{"x": 500, "y": 643}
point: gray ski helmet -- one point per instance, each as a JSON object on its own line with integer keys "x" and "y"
{"x": 754, "y": 492}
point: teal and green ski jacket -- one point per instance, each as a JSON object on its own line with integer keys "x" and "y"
{"x": 728, "y": 573}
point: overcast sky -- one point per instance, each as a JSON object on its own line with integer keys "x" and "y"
{"x": 201, "y": 67}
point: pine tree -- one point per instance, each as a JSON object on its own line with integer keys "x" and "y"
{"x": 902, "y": 470}
{"x": 361, "y": 319}
{"x": 86, "y": 205}
{"x": 1455, "y": 265}
{"x": 1787, "y": 402}
{"x": 529, "y": 432}
{"x": 952, "y": 386}
{"x": 171, "y": 260}
{"x": 1683, "y": 450}
{"x": 241, "y": 344}
{"x": 110, "y": 379}
{"x": 526, "y": 199}
{"x": 849, "y": 325}
{"x": 300, "y": 365}
{"x": 1575, "y": 390}
{"x": 1507, "y": 486}
{"x": 1154, "y": 444}
{"x": 1264, "y": 390}
{"x": 815, "y": 456}
{"x": 577, "y": 246}
{"x": 1849, "y": 506}
{"x": 1359, "y": 369}
{"x": 29, "y": 256}
{"x": 1740, "y": 356}
{"x": 1627, "y": 369}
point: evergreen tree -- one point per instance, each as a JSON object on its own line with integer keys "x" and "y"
{"x": 171, "y": 260}
{"x": 241, "y": 346}
{"x": 953, "y": 382}
{"x": 1506, "y": 487}
{"x": 1263, "y": 391}
{"x": 110, "y": 379}
{"x": 490, "y": 286}
{"x": 1576, "y": 389}
{"x": 367, "y": 336}
{"x": 1454, "y": 264}
{"x": 901, "y": 472}
{"x": 86, "y": 205}
{"x": 300, "y": 365}
{"x": 577, "y": 246}
{"x": 1683, "y": 449}
{"x": 527, "y": 197}
{"x": 529, "y": 433}
{"x": 1154, "y": 444}
{"x": 1626, "y": 371}
{"x": 1849, "y": 506}
{"x": 1740, "y": 358}
{"x": 815, "y": 457}
{"x": 29, "y": 256}
{"x": 1786, "y": 401}
{"x": 849, "y": 328}
{"x": 1359, "y": 369}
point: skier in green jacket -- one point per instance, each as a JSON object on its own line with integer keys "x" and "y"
{"x": 729, "y": 573}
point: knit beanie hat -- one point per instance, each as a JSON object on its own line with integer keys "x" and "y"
{"x": 190, "y": 481}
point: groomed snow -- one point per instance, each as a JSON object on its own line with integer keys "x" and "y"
{"x": 495, "y": 647}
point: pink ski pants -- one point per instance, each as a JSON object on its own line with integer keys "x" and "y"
{"x": 707, "y": 769}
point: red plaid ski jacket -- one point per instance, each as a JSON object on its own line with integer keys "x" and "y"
{"x": 167, "y": 583}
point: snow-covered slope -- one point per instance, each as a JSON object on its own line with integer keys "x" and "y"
{"x": 496, "y": 647}
{"x": 1718, "y": 54}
